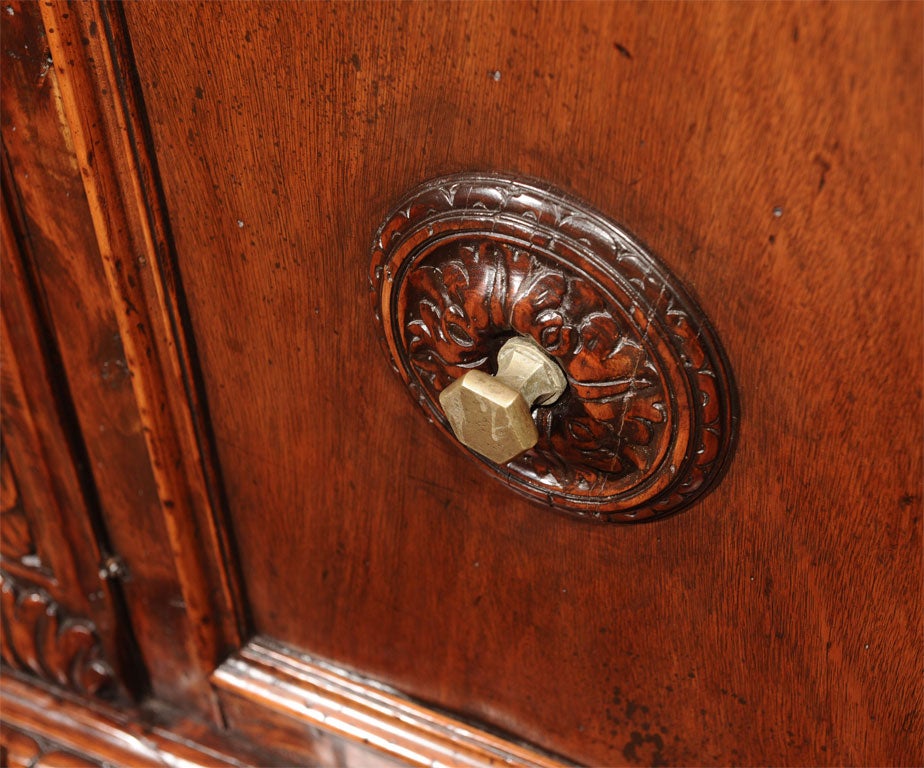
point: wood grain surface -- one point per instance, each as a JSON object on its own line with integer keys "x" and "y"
{"x": 65, "y": 619}
{"x": 42, "y": 728}
{"x": 318, "y": 714}
{"x": 103, "y": 119}
{"x": 771, "y": 156}
{"x": 46, "y": 183}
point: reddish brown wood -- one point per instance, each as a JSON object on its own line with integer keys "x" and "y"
{"x": 648, "y": 419}
{"x": 49, "y": 540}
{"x": 38, "y": 722}
{"x": 43, "y": 188}
{"x": 769, "y": 154}
{"x": 17, "y": 542}
{"x": 178, "y": 555}
{"x": 292, "y": 696}
{"x": 33, "y": 431}
{"x": 19, "y": 750}
{"x": 40, "y": 637}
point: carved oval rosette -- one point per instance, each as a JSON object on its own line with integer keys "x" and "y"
{"x": 647, "y": 423}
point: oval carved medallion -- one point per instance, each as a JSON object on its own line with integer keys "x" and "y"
{"x": 647, "y": 422}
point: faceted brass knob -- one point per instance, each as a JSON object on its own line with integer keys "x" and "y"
{"x": 491, "y": 414}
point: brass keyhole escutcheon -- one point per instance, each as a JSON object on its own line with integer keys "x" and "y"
{"x": 491, "y": 414}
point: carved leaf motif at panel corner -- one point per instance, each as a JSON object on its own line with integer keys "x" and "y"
{"x": 39, "y": 637}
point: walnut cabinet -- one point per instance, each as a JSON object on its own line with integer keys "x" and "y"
{"x": 230, "y": 535}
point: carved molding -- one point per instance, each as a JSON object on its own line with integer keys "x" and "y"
{"x": 39, "y": 637}
{"x": 25, "y": 750}
{"x": 89, "y": 44}
{"x": 647, "y": 423}
{"x": 64, "y": 729}
{"x": 268, "y": 687}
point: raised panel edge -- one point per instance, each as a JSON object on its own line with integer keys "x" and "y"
{"x": 266, "y": 682}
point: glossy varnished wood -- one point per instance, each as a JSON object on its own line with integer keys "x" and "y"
{"x": 42, "y": 727}
{"x": 648, "y": 420}
{"x": 96, "y": 103}
{"x": 268, "y": 690}
{"x": 55, "y": 231}
{"x": 771, "y": 155}
{"x": 58, "y": 617}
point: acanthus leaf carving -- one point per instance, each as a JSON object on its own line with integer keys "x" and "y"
{"x": 648, "y": 421}
{"x": 39, "y": 637}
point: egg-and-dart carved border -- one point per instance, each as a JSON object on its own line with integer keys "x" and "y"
{"x": 500, "y": 212}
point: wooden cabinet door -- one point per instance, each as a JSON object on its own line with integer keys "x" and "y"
{"x": 60, "y": 603}
{"x": 240, "y": 158}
